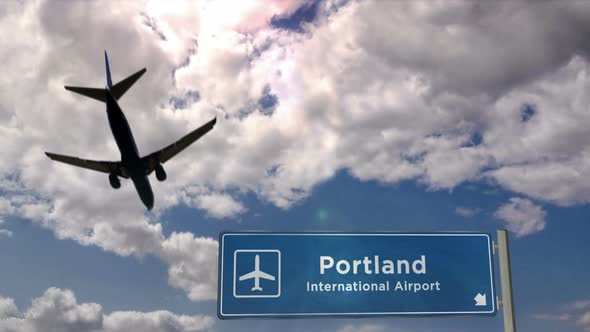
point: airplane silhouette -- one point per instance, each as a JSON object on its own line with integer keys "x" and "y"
{"x": 131, "y": 166}
{"x": 257, "y": 274}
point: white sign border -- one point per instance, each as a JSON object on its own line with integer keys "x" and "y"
{"x": 278, "y": 277}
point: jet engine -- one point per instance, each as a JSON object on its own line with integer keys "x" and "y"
{"x": 160, "y": 173}
{"x": 114, "y": 180}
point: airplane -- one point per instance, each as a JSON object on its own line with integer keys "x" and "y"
{"x": 131, "y": 166}
{"x": 257, "y": 274}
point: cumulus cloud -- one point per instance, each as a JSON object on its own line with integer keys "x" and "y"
{"x": 192, "y": 264}
{"x": 4, "y": 232}
{"x": 574, "y": 313}
{"x": 361, "y": 328}
{"x": 57, "y": 310}
{"x": 155, "y": 321}
{"x": 466, "y": 211}
{"x": 220, "y": 205}
{"x": 560, "y": 317}
{"x": 522, "y": 216}
{"x": 8, "y": 308}
{"x": 579, "y": 305}
{"x": 388, "y": 91}
{"x": 584, "y": 321}
{"x": 217, "y": 205}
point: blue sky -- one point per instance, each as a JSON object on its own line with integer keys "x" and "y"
{"x": 543, "y": 272}
{"x": 332, "y": 115}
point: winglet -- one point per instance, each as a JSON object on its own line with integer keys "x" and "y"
{"x": 108, "y": 69}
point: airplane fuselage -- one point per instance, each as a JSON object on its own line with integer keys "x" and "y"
{"x": 257, "y": 270}
{"x": 130, "y": 157}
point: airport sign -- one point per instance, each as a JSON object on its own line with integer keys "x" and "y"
{"x": 315, "y": 274}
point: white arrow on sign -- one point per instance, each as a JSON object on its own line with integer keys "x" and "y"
{"x": 480, "y": 300}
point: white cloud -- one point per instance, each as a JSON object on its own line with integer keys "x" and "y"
{"x": 466, "y": 211}
{"x": 386, "y": 97}
{"x": 58, "y": 311}
{"x": 579, "y": 305}
{"x": 8, "y": 308}
{"x": 584, "y": 321}
{"x": 576, "y": 312}
{"x": 192, "y": 264}
{"x": 156, "y": 321}
{"x": 560, "y": 317}
{"x": 220, "y": 205}
{"x": 3, "y": 232}
{"x": 217, "y": 205}
{"x": 192, "y": 260}
{"x": 361, "y": 328}
{"x": 522, "y": 216}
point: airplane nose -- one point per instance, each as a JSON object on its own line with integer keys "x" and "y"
{"x": 149, "y": 205}
{"x": 148, "y": 201}
{"x": 145, "y": 192}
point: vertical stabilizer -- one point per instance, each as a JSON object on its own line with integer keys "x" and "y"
{"x": 106, "y": 62}
{"x": 117, "y": 90}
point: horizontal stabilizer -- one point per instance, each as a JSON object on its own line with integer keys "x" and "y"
{"x": 98, "y": 94}
{"x": 118, "y": 90}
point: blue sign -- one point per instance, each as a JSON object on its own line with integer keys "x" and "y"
{"x": 311, "y": 274}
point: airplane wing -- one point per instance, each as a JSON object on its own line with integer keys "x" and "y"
{"x": 100, "y": 166}
{"x": 258, "y": 274}
{"x": 265, "y": 276}
{"x": 165, "y": 154}
{"x": 248, "y": 276}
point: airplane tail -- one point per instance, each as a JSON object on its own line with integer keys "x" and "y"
{"x": 256, "y": 288}
{"x": 117, "y": 90}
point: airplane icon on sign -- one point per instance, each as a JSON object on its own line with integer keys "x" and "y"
{"x": 256, "y": 275}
